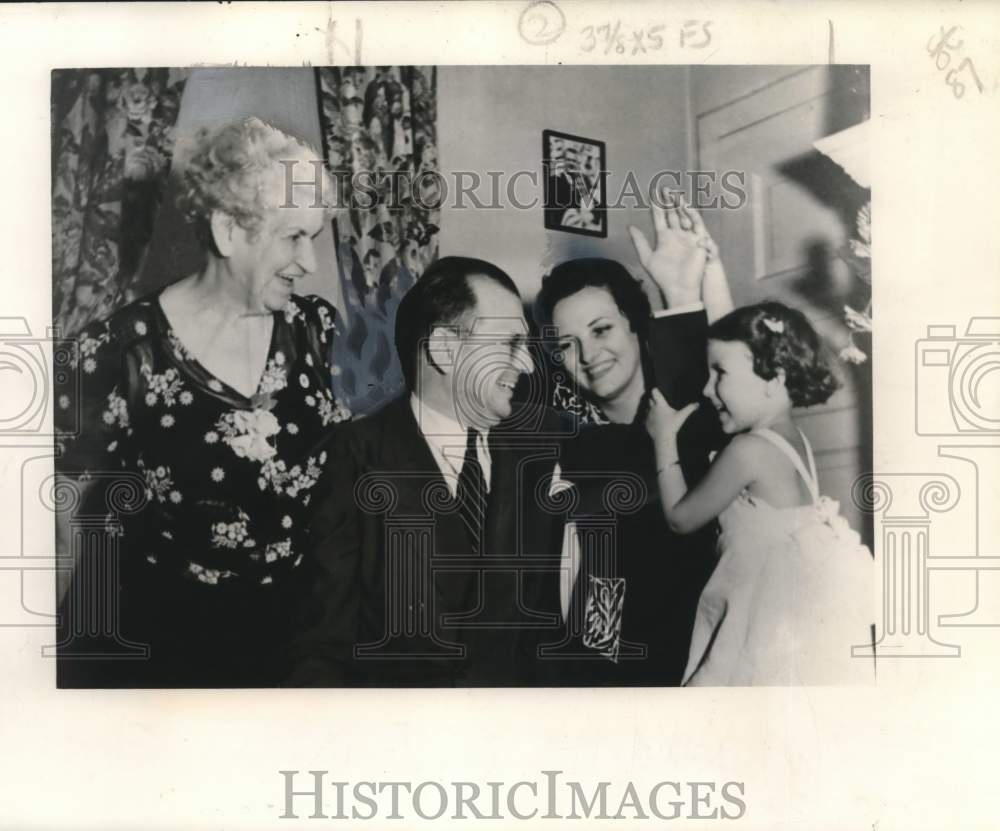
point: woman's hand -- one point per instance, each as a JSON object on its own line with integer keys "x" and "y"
{"x": 663, "y": 423}
{"x": 685, "y": 264}
{"x": 677, "y": 263}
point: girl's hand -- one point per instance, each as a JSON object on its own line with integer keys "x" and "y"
{"x": 714, "y": 285}
{"x": 715, "y": 292}
{"x": 663, "y": 422}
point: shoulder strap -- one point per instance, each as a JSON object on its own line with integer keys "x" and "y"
{"x": 809, "y": 476}
{"x": 812, "y": 462}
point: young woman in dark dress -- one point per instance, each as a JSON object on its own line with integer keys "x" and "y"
{"x": 631, "y": 611}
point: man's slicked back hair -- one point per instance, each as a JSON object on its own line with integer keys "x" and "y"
{"x": 443, "y": 296}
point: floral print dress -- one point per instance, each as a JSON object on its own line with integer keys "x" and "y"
{"x": 229, "y": 480}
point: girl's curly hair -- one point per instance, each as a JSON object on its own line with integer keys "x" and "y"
{"x": 228, "y": 170}
{"x": 780, "y": 338}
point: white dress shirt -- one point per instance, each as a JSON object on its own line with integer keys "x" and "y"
{"x": 446, "y": 438}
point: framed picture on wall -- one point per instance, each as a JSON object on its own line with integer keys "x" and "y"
{"x": 575, "y": 196}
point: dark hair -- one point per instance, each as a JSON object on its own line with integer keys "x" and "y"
{"x": 440, "y": 297}
{"x": 569, "y": 277}
{"x": 781, "y": 338}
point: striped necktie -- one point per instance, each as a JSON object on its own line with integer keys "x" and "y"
{"x": 471, "y": 493}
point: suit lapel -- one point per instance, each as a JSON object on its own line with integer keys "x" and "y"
{"x": 407, "y": 451}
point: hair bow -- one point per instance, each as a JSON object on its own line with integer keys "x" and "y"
{"x": 775, "y": 325}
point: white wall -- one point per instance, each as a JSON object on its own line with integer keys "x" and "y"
{"x": 492, "y": 119}
{"x": 489, "y": 118}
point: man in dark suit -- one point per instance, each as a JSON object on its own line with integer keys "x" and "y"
{"x": 415, "y": 584}
{"x": 436, "y": 562}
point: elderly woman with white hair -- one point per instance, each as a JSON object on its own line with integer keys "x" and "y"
{"x": 216, "y": 392}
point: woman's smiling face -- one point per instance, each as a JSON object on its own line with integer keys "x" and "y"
{"x": 598, "y": 346}
{"x": 271, "y": 261}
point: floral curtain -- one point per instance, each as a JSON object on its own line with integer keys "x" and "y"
{"x": 112, "y": 140}
{"x": 380, "y": 135}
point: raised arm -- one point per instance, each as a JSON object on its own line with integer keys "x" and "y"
{"x": 733, "y": 470}
{"x": 715, "y": 292}
{"x": 684, "y": 264}
{"x": 676, "y": 264}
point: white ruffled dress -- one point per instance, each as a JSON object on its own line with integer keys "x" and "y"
{"x": 790, "y": 596}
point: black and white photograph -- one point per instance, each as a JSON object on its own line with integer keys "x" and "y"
{"x": 423, "y": 413}
{"x": 334, "y": 441}
{"x": 574, "y": 184}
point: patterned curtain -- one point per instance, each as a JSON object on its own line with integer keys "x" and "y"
{"x": 380, "y": 135}
{"x": 112, "y": 140}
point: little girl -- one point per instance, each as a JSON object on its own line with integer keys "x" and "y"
{"x": 791, "y": 594}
